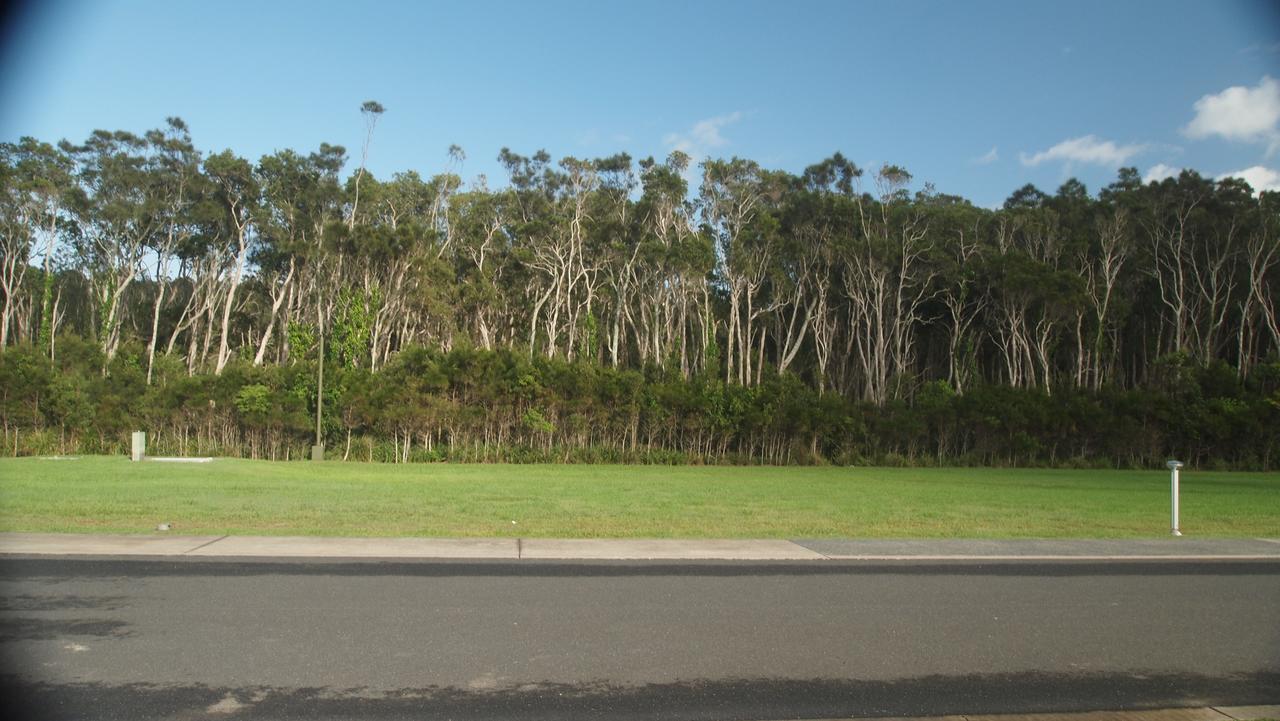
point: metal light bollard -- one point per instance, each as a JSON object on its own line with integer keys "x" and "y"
{"x": 1173, "y": 489}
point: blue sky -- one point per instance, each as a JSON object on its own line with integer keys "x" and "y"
{"x": 975, "y": 97}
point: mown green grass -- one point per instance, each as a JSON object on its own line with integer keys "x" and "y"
{"x": 112, "y": 495}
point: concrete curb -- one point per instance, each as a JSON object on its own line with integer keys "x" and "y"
{"x": 1042, "y": 549}
{"x": 1206, "y": 713}
{"x": 442, "y": 548}
{"x": 942, "y": 550}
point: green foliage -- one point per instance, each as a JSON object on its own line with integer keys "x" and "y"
{"x": 711, "y": 352}
{"x": 69, "y": 403}
{"x": 536, "y": 422}
{"x": 302, "y": 339}
{"x": 499, "y": 405}
{"x": 855, "y": 324}
{"x": 252, "y": 402}
{"x": 590, "y": 343}
{"x": 353, "y": 328}
{"x": 25, "y": 380}
{"x": 46, "y": 312}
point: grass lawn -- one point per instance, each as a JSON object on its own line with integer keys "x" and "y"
{"x": 98, "y": 494}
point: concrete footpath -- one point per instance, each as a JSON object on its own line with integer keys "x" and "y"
{"x": 164, "y": 544}
{"x": 1204, "y": 713}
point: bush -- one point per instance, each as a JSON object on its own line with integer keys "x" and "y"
{"x": 478, "y": 406}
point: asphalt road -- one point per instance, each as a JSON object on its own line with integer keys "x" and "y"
{"x": 219, "y": 638}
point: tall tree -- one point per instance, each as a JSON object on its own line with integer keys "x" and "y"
{"x": 371, "y": 110}
{"x": 176, "y": 164}
{"x": 732, "y": 199}
{"x": 889, "y": 279}
{"x": 119, "y": 206}
{"x": 37, "y": 178}
{"x": 237, "y": 193}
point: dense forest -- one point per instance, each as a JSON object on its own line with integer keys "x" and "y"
{"x": 608, "y": 310}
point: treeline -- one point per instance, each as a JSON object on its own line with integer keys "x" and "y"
{"x": 488, "y": 406}
{"x": 763, "y": 317}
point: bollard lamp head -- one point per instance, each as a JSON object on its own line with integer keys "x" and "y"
{"x": 1174, "y": 465}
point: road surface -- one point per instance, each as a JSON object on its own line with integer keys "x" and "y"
{"x": 192, "y": 638}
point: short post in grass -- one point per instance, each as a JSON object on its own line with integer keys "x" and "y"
{"x": 139, "y": 445}
{"x": 1173, "y": 488}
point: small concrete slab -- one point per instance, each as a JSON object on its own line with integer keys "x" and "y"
{"x": 1167, "y": 714}
{"x": 322, "y": 547}
{"x": 1250, "y": 713}
{"x": 664, "y": 548}
{"x": 100, "y": 545}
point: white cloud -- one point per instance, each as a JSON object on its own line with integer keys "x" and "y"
{"x": 1087, "y": 149}
{"x": 1270, "y": 49}
{"x": 1258, "y": 178}
{"x": 698, "y": 141}
{"x": 1240, "y": 113}
{"x": 988, "y": 158}
{"x": 703, "y": 136}
{"x": 1160, "y": 172}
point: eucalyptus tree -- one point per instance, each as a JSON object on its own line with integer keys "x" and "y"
{"x": 1103, "y": 264}
{"x": 37, "y": 178}
{"x": 1058, "y": 237}
{"x": 823, "y": 221}
{"x": 401, "y": 264}
{"x": 1034, "y": 295}
{"x": 237, "y": 193}
{"x": 434, "y": 287}
{"x": 733, "y": 196}
{"x": 1075, "y": 212}
{"x": 358, "y": 251}
{"x": 199, "y": 267}
{"x": 537, "y": 229}
{"x": 15, "y": 237}
{"x": 300, "y": 217}
{"x": 659, "y": 273}
{"x": 323, "y": 200}
{"x": 119, "y": 204}
{"x": 1217, "y": 273}
{"x": 620, "y": 242}
{"x": 639, "y": 272}
{"x": 1172, "y": 237}
{"x": 691, "y": 257}
{"x": 176, "y": 163}
{"x": 286, "y": 226}
{"x": 962, "y": 230}
{"x": 562, "y": 255}
{"x": 889, "y": 277}
{"x": 482, "y": 257}
{"x": 1198, "y": 234}
{"x": 609, "y": 227}
{"x": 371, "y": 110}
{"x": 816, "y": 221}
{"x": 1259, "y": 310}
